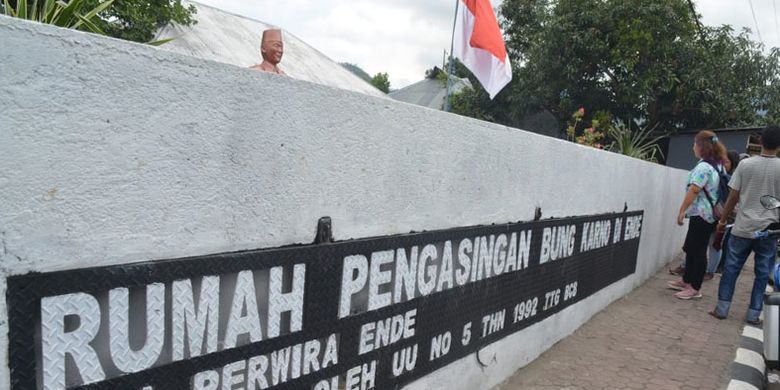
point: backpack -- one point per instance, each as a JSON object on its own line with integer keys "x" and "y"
{"x": 723, "y": 190}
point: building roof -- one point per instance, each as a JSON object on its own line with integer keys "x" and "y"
{"x": 233, "y": 39}
{"x": 722, "y": 130}
{"x": 428, "y": 92}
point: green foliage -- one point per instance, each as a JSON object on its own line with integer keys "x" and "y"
{"x": 139, "y": 20}
{"x": 646, "y": 61}
{"x": 476, "y": 103}
{"x": 576, "y": 118}
{"x": 442, "y": 78}
{"x": 458, "y": 70}
{"x": 432, "y": 73}
{"x": 638, "y": 143}
{"x": 381, "y": 81}
{"x": 58, "y": 13}
{"x": 134, "y": 20}
{"x": 468, "y": 101}
{"x": 463, "y": 103}
{"x": 357, "y": 71}
{"x": 592, "y": 136}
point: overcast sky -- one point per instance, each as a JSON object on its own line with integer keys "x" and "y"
{"x": 406, "y": 37}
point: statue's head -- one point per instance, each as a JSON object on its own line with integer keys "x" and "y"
{"x": 271, "y": 46}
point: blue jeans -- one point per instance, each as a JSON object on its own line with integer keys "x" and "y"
{"x": 713, "y": 256}
{"x": 738, "y": 250}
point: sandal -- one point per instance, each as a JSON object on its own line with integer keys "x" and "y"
{"x": 756, "y": 322}
{"x": 679, "y": 270}
{"x": 716, "y": 315}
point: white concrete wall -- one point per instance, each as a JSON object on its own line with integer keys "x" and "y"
{"x": 113, "y": 152}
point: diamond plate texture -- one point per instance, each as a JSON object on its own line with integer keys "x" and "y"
{"x": 192, "y": 324}
{"x": 279, "y": 317}
{"x": 57, "y": 342}
{"x": 123, "y": 356}
{"x": 280, "y": 302}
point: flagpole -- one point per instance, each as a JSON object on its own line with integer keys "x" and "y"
{"x": 449, "y": 68}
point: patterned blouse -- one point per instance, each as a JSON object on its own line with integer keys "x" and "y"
{"x": 703, "y": 175}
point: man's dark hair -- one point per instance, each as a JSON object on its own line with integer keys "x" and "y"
{"x": 770, "y": 138}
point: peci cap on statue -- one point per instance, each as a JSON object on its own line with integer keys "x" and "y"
{"x": 272, "y": 50}
{"x": 272, "y": 35}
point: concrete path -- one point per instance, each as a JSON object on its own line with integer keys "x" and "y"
{"x": 646, "y": 340}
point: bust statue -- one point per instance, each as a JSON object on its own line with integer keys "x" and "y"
{"x": 271, "y": 48}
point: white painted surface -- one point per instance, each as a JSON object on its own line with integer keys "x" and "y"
{"x": 750, "y": 358}
{"x": 735, "y": 384}
{"x": 234, "y": 39}
{"x": 113, "y": 152}
{"x": 754, "y": 333}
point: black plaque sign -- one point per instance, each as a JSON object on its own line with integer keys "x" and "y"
{"x": 362, "y": 314}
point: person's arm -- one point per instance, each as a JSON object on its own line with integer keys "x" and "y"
{"x": 690, "y": 196}
{"x": 735, "y": 184}
{"x": 731, "y": 202}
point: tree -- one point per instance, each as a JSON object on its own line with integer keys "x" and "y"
{"x": 475, "y": 102}
{"x": 648, "y": 62}
{"x": 133, "y": 20}
{"x": 139, "y": 20}
{"x": 381, "y": 81}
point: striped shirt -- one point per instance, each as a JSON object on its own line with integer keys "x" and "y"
{"x": 755, "y": 177}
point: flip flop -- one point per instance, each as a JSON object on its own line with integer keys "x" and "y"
{"x": 716, "y": 315}
{"x": 756, "y": 322}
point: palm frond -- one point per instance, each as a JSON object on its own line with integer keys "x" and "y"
{"x": 62, "y": 13}
{"x": 159, "y": 42}
{"x": 8, "y": 10}
{"x": 638, "y": 144}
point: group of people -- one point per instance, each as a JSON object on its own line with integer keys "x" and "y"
{"x": 708, "y": 214}
{"x": 748, "y": 180}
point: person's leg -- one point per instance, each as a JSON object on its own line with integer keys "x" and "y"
{"x": 696, "y": 240}
{"x": 713, "y": 256}
{"x": 679, "y": 270}
{"x": 765, "y": 251}
{"x": 724, "y": 249}
{"x": 683, "y": 283}
{"x": 737, "y": 253}
{"x": 688, "y": 248}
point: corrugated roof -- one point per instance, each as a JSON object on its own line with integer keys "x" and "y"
{"x": 429, "y": 92}
{"x": 233, "y": 39}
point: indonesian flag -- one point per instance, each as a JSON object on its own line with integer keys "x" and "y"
{"x": 480, "y": 45}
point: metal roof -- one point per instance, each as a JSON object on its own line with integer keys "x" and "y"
{"x": 721, "y": 130}
{"x": 233, "y": 39}
{"x": 429, "y": 92}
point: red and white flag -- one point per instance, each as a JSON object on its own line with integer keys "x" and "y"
{"x": 480, "y": 45}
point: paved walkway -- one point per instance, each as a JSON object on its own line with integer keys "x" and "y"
{"x": 646, "y": 340}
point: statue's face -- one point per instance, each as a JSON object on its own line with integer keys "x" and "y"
{"x": 272, "y": 47}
